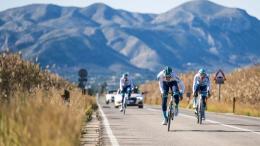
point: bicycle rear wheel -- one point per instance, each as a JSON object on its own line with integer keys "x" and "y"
{"x": 170, "y": 115}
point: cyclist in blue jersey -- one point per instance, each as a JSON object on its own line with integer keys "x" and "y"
{"x": 201, "y": 83}
{"x": 126, "y": 86}
{"x": 169, "y": 80}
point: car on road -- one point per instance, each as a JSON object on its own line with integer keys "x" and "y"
{"x": 110, "y": 96}
{"x": 136, "y": 99}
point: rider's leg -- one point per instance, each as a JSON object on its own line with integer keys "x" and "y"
{"x": 164, "y": 100}
{"x": 176, "y": 96}
{"x": 129, "y": 91}
{"x": 203, "y": 92}
{"x": 177, "y": 99}
{"x": 123, "y": 96}
{"x": 164, "y": 106}
{"x": 204, "y": 100}
{"x": 204, "y": 97}
{"x": 195, "y": 96}
{"x": 204, "y": 104}
{"x": 175, "y": 91}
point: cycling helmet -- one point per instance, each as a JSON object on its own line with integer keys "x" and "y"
{"x": 125, "y": 75}
{"x": 167, "y": 71}
{"x": 202, "y": 71}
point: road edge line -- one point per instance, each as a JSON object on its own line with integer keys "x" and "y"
{"x": 110, "y": 134}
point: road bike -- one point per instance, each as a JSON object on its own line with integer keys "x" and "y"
{"x": 124, "y": 104}
{"x": 172, "y": 111}
{"x": 125, "y": 101}
{"x": 200, "y": 108}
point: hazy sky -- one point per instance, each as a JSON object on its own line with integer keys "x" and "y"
{"x": 151, "y": 6}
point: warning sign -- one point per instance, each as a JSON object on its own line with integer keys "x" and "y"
{"x": 220, "y": 77}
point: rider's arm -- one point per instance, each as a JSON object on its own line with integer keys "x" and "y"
{"x": 160, "y": 79}
{"x": 194, "y": 84}
{"x": 121, "y": 84}
{"x": 159, "y": 75}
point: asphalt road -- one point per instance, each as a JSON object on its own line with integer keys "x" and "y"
{"x": 142, "y": 127}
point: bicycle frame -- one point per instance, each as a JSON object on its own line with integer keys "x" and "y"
{"x": 200, "y": 107}
{"x": 125, "y": 101}
{"x": 171, "y": 112}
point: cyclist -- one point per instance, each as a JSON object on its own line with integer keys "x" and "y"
{"x": 126, "y": 86}
{"x": 169, "y": 80}
{"x": 201, "y": 83}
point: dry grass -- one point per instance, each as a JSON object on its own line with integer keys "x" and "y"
{"x": 17, "y": 74}
{"x": 242, "y": 84}
{"x": 32, "y": 112}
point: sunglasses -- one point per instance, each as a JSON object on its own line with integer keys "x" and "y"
{"x": 202, "y": 75}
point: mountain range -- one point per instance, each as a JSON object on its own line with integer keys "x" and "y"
{"x": 105, "y": 40}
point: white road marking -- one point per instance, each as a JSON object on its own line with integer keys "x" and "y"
{"x": 212, "y": 121}
{"x": 234, "y": 127}
{"x": 110, "y": 134}
{"x": 150, "y": 109}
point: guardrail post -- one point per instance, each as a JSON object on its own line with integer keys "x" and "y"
{"x": 234, "y": 104}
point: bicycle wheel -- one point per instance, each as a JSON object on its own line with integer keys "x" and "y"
{"x": 173, "y": 112}
{"x": 197, "y": 110}
{"x": 124, "y": 105}
{"x": 170, "y": 115}
{"x": 197, "y": 115}
{"x": 124, "y": 110}
{"x": 200, "y": 110}
{"x": 169, "y": 119}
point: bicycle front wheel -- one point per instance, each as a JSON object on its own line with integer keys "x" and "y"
{"x": 169, "y": 119}
{"x": 124, "y": 105}
{"x": 200, "y": 111}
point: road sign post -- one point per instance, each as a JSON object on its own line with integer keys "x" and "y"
{"x": 83, "y": 74}
{"x": 219, "y": 79}
{"x": 219, "y": 88}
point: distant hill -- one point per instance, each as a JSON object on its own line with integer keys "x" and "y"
{"x": 106, "y": 40}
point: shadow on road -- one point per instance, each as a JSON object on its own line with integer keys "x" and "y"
{"x": 140, "y": 114}
{"x": 177, "y": 130}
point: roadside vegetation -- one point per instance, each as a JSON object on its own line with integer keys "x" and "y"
{"x": 32, "y": 111}
{"x": 241, "y": 84}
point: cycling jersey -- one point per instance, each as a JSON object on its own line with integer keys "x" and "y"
{"x": 125, "y": 82}
{"x": 201, "y": 81}
{"x": 173, "y": 77}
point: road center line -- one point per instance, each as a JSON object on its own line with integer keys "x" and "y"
{"x": 234, "y": 127}
{"x": 110, "y": 134}
{"x": 212, "y": 121}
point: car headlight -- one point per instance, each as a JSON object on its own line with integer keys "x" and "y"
{"x": 139, "y": 98}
